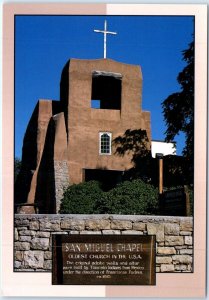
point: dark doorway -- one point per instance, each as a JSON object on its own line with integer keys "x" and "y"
{"x": 108, "y": 178}
{"x": 106, "y": 90}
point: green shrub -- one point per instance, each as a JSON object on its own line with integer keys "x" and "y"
{"x": 81, "y": 198}
{"x": 129, "y": 197}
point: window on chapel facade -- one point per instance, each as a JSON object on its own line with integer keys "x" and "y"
{"x": 105, "y": 140}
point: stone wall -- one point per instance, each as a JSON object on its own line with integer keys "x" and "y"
{"x": 33, "y": 236}
{"x": 61, "y": 177}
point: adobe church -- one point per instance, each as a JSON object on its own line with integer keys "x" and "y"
{"x": 70, "y": 141}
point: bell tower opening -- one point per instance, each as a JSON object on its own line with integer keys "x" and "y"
{"x": 106, "y": 90}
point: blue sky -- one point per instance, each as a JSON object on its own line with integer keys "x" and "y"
{"x": 43, "y": 45}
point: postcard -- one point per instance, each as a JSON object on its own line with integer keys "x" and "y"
{"x": 104, "y": 150}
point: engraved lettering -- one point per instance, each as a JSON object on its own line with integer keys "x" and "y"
{"x": 107, "y": 260}
{"x": 129, "y": 247}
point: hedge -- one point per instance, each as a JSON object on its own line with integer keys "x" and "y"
{"x": 129, "y": 197}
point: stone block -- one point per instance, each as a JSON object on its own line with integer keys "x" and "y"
{"x": 50, "y": 225}
{"x": 185, "y": 233}
{"x": 121, "y": 224}
{"x": 182, "y": 259}
{"x": 21, "y": 228}
{"x": 186, "y": 251}
{"x": 47, "y": 255}
{"x": 22, "y": 246}
{"x": 17, "y": 264}
{"x": 21, "y": 222}
{"x": 135, "y": 232}
{"x": 166, "y": 268}
{"x": 111, "y": 232}
{"x": 188, "y": 240}
{"x": 166, "y": 250}
{"x": 27, "y": 232}
{"x": 161, "y": 244}
{"x": 70, "y": 224}
{"x": 139, "y": 226}
{"x": 40, "y": 243}
{"x": 152, "y": 228}
{"x": 90, "y": 232}
{"x": 180, "y": 267}
{"x": 19, "y": 255}
{"x": 157, "y": 270}
{"x": 44, "y": 234}
{"x": 171, "y": 240}
{"x": 97, "y": 224}
{"x": 16, "y": 234}
{"x": 24, "y": 238}
{"x": 186, "y": 224}
{"x": 172, "y": 229}
{"x": 180, "y": 247}
{"x": 34, "y": 259}
{"x": 47, "y": 264}
{"x": 34, "y": 225}
{"x": 59, "y": 232}
{"x": 156, "y": 229}
{"x": 163, "y": 260}
{"x": 189, "y": 268}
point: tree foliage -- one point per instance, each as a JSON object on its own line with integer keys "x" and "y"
{"x": 136, "y": 143}
{"x": 178, "y": 108}
{"x": 17, "y": 167}
{"x": 145, "y": 167}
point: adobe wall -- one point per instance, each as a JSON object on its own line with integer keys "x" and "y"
{"x": 84, "y": 123}
{"x": 33, "y": 235}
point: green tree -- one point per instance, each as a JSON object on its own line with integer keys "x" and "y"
{"x": 178, "y": 108}
{"x": 136, "y": 143}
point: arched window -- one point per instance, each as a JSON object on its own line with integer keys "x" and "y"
{"x": 105, "y": 140}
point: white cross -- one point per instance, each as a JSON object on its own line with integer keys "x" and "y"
{"x": 105, "y": 32}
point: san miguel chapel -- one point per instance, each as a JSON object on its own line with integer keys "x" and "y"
{"x": 70, "y": 141}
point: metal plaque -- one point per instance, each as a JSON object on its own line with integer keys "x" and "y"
{"x": 103, "y": 260}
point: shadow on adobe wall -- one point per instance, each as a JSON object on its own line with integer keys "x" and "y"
{"x": 29, "y": 163}
{"x": 45, "y": 192}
